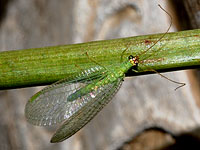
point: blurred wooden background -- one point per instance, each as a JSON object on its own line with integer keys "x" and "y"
{"x": 145, "y": 114}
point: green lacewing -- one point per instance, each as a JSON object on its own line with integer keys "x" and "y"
{"x": 74, "y": 101}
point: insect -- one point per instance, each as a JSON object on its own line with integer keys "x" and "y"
{"x": 76, "y": 100}
{"x": 73, "y": 102}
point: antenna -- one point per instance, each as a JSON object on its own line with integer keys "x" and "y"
{"x": 163, "y": 34}
{"x": 157, "y": 40}
{"x": 181, "y": 84}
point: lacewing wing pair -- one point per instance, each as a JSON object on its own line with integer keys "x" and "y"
{"x": 74, "y": 101}
{"x": 77, "y": 100}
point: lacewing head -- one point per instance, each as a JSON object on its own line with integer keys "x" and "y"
{"x": 133, "y": 60}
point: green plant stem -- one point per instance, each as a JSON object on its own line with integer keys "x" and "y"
{"x": 42, "y": 66}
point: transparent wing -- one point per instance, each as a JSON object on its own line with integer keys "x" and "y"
{"x": 97, "y": 100}
{"x": 50, "y": 105}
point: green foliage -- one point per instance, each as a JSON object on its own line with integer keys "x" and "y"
{"x": 41, "y": 66}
